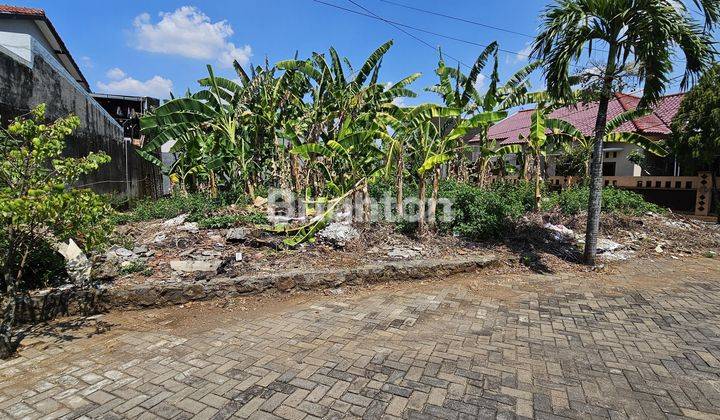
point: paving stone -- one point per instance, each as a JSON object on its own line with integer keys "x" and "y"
{"x": 430, "y": 352}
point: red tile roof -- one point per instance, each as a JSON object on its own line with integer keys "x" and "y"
{"x": 583, "y": 117}
{"x": 25, "y": 11}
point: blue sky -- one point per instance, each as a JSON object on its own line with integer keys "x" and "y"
{"x": 149, "y": 47}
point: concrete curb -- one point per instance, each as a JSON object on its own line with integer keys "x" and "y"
{"x": 72, "y": 300}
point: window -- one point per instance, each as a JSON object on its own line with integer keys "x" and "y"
{"x": 608, "y": 169}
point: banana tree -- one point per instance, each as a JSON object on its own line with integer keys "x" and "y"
{"x": 536, "y": 143}
{"x": 458, "y": 90}
{"x": 419, "y": 130}
{"x": 489, "y": 152}
{"x": 337, "y": 98}
{"x": 218, "y": 113}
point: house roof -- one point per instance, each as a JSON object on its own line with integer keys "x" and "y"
{"x": 582, "y": 116}
{"x": 51, "y": 36}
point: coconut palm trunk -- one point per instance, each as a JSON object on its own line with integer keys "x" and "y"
{"x": 596, "y": 164}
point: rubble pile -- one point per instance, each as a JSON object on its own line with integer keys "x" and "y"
{"x": 179, "y": 251}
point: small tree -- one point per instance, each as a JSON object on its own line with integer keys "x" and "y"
{"x": 696, "y": 127}
{"x": 38, "y": 205}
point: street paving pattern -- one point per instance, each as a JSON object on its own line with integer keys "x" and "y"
{"x": 445, "y": 349}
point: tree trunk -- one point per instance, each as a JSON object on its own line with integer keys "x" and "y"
{"x": 213, "y": 185}
{"x": 399, "y": 207}
{"x": 482, "y": 170}
{"x": 596, "y": 178}
{"x": 432, "y": 207}
{"x": 715, "y": 196}
{"x": 8, "y": 344}
{"x": 366, "y": 202}
{"x": 422, "y": 225}
{"x": 538, "y": 180}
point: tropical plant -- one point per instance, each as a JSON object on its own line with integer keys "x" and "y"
{"x": 645, "y": 32}
{"x": 460, "y": 91}
{"x": 38, "y": 206}
{"x": 571, "y": 139}
{"x": 489, "y": 152}
{"x": 696, "y": 128}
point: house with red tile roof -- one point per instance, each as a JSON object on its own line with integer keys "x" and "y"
{"x": 655, "y": 125}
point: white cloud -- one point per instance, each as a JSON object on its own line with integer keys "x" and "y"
{"x": 400, "y": 102}
{"x": 189, "y": 32}
{"x": 115, "y": 74}
{"x": 524, "y": 54}
{"x": 122, "y": 84}
{"x": 87, "y": 62}
{"x": 480, "y": 82}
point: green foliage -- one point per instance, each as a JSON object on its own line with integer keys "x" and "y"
{"x": 482, "y": 214}
{"x": 521, "y": 193}
{"x": 696, "y": 127}
{"x": 196, "y": 204}
{"x": 230, "y": 220}
{"x": 614, "y": 200}
{"x": 37, "y": 203}
{"x": 572, "y": 163}
{"x": 136, "y": 267}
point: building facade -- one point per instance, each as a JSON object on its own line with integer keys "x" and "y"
{"x": 617, "y": 159}
{"x": 36, "y": 67}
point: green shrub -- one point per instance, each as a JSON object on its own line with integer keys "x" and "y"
{"x": 482, "y": 214}
{"x": 38, "y": 207}
{"x": 575, "y": 200}
{"x": 521, "y": 193}
{"x": 229, "y": 220}
{"x": 136, "y": 267}
{"x": 196, "y": 204}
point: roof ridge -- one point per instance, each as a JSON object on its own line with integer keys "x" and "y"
{"x": 618, "y": 95}
{"x": 10, "y": 9}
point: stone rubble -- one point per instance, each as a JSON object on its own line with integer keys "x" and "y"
{"x": 338, "y": 234}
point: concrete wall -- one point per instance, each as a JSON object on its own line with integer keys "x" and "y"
{"x": 24, "y": 85}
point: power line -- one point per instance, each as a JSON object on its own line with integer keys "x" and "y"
{"x": 453, "y": 38}
{"x": 396, "y": 25}
{"x": 472, "y": 22}
{"x": 399, "y": 26}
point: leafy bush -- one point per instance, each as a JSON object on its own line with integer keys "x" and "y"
{"x": 36, "y": 203}
{"x": 38, "y": 207}
{"x": 575, "y": 200}
{"x": 521, "y": 193}
{"x": 481, "y": 213}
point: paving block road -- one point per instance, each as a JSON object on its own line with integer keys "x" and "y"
{"x": 641, "y": 341}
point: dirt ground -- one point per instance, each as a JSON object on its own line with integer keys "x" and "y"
{"x": 529, "y": 247}
{"x": 507, "y": 281}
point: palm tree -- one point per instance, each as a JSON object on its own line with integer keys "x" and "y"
{"x": 644, "y": 31}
